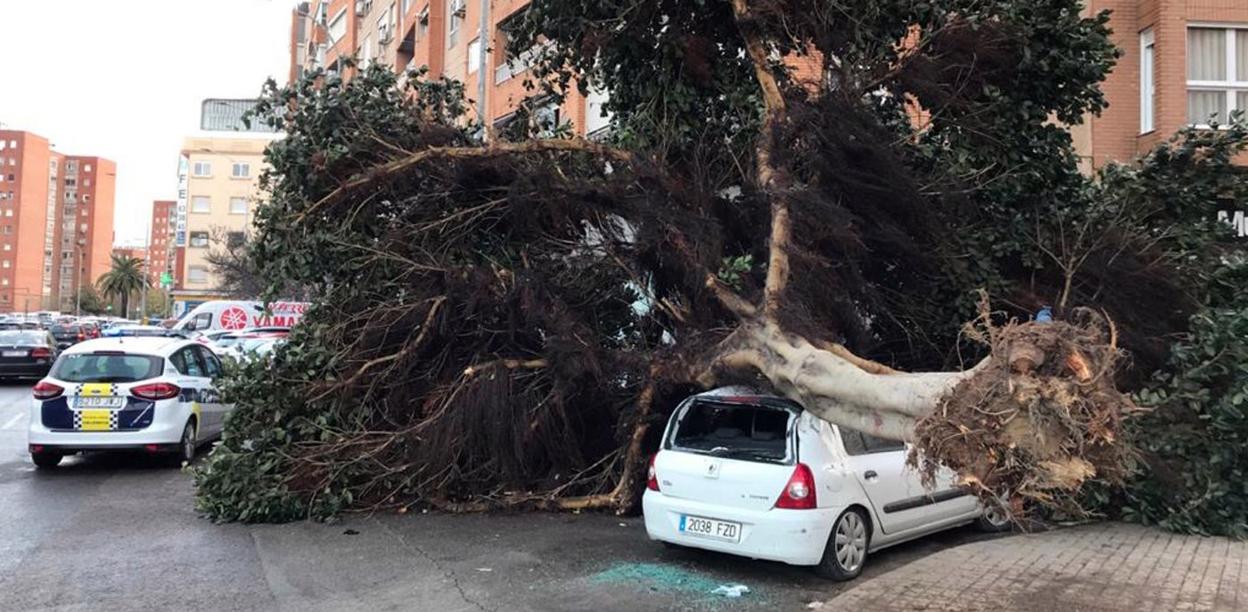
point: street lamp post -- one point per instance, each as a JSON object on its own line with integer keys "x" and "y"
{"x": 78, "y": 279}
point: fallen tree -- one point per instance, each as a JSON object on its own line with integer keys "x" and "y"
{"x": 503, "y": 323}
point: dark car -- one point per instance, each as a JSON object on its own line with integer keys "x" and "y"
{"x": 26, "y": 353}
{"x": 67, "y": 335}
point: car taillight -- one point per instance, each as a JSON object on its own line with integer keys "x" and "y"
{"x": 156, "y": 391}
{"x": 46, "y": 390}
{"x": 41, "y": 352}
{"x": 799, "y": 493}
{"x": 652, "y": 477}
{"x": 81, "y": 336}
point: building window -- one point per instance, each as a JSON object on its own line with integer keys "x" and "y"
{"x": 366, "y": 51}
{"x": 456, "y": 11}
{"x": 1217, "y": 74}
{"x": 8, "y": 212}
{"x": 234, "y": 240}
{"x": 1147, "y": 88}
{"x": 8, "y": 247}
{"x": 201, "y": 204}
{"x": 474, "y": 55}
{"x": 338, "y": 27}
{"x": 201, "y": 169}
{"x": 199, "y": 240}
{"x": 8, "y": 230}
{"x": 4, "y": 282}
{"x": 197, "y": 274}
{"x": 238, "y": 206}
{"x": 86, "y": 168}
{"x": 240, "y": 170}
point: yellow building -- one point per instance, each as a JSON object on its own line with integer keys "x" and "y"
{"x": 218, "y": 185}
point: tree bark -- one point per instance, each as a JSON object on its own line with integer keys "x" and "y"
{"x": 832, "y": 387}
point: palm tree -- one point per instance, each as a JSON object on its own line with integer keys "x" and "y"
{"x": 125, "y": 278}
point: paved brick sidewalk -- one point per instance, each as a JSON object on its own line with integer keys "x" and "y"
{"x": 1107, "y": 566}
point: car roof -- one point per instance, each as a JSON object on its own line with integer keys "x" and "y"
{"x": 160, "y": 346}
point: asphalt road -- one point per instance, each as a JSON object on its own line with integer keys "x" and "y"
{"x": 109, "y": 532}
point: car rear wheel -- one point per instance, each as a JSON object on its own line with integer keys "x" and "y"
{"x": 846, "y": 551}
{"x": 46, "y": 460}
{"x": 187, "y": 445}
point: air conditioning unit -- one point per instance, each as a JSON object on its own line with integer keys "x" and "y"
{"x": 361, "y": 7}
{"x": 459, "y": 9}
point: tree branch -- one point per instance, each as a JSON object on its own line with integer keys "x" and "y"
{"x": 774, "y": 182}
{"x": 399, "y": 167}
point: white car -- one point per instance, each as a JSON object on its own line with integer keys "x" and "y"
{"x": 757, "y": 476}
{"x": 151, "y": 394}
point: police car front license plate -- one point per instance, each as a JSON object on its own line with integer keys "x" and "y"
{"x": 98, "y": 402}
{"x": 715, "y": 529}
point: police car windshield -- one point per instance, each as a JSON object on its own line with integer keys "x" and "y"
{"x": 106, "y": 368}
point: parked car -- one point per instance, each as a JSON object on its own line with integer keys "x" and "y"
{"x": 90, "y": 328}
{"x": 26, "y": 353}
{"x": 756, "y": 475}
{"x": 67, "y": 335}
{"x": 150, "y": 394}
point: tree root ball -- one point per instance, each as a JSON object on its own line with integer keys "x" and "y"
{"x": 1037, "y": 420}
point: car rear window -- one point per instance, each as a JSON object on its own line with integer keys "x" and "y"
{"x": 106, "y": 367}
{"x": 22, "y": 337}
{"x": 757, "y": 433}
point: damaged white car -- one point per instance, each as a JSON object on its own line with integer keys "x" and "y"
{"x": 755, "y": 475}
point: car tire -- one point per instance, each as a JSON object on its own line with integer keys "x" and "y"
{"x": 995, "y": 519}
{"x": 846, "y": 551}
{"x": 46, "y": 460}
{"x": 187, "y": 444}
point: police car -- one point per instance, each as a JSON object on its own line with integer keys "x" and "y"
{"x": 148, "y": 394}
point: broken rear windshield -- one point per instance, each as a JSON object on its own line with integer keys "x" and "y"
{"x": 754, "y": 433}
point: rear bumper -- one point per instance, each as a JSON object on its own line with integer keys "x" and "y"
{"x": 796, "y": 537}
{"x": 169, "y": 419}
{"x": 25, "y": 369}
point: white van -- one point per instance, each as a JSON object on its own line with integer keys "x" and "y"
{"x": 755, "y": 475}
{"x": 235, "y": 315}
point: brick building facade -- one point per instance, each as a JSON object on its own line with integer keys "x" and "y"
{"x": 56, "y": 222}
{"x": 162, "y": 254}
{"x": 1183, "y": 60}
{"x": 445, "y": 36}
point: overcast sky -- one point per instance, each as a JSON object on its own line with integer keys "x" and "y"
{"x": 124, "y": 80}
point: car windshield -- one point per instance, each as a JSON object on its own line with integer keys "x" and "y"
{"x": 106, "y": 367}
{"x": 751, "y": 432}
{"x": 22, "y": 337}
{"x": 64, "y": 329}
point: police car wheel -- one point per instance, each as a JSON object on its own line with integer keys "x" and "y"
{"x": 46, "y": 460}
{"x": 186, "y": 446}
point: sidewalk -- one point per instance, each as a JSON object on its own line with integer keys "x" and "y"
{"x": 1106, "y": 566}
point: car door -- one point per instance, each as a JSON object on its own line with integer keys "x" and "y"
{"x": 193, "y": 380}
{"x": 896, "y": 491}
{"x": 210, "y": 398}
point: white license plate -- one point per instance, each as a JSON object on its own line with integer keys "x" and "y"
{"x": 15, "y": 353}
{"x": 710, "y": 528}
{"x": 99, "y": 402}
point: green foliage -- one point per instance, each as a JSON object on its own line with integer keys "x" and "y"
{"x": 1194, "y": 471}
{"x": 90, "y": 302}
{"x": 125, "y": 278}
{"x": 734, "y": 269}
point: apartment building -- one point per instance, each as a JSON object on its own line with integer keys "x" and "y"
{"x": 162, "y": 255}
{"x": 1184, "y": 61}
{"x": 445, "y": 36}
{"x": 218, "y": 185}
{"x": 56, "y": 222}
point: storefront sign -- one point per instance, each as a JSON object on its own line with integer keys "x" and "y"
{"x": 184, "y": 169}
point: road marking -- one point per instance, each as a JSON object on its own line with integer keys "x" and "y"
{"x": 13, "y": 421}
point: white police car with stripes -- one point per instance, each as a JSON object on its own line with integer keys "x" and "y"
{"x": 146, "y": 394}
